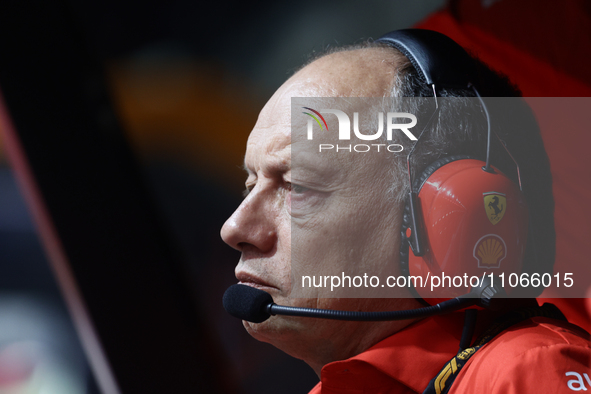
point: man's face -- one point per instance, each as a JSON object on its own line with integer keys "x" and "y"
{"x": 330, "y": 211}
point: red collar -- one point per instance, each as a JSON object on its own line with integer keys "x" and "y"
{"x": 409, "y": 358}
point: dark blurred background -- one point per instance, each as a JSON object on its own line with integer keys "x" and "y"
{"x": 184, "y": 82}
{"x": 187, "y": 80}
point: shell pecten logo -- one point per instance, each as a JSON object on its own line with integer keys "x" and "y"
{"x": 490, "y": 250}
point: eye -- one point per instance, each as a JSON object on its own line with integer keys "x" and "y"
{"x": 295, "y": 188}
{"x": 302, "y": 201}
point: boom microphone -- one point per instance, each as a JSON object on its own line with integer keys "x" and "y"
{"x": 256, "y": 306}
{"x": 247, "y": 303}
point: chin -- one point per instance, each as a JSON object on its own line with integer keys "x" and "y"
{"x": 288, "y": 334}
{"x": 276, "y": 330}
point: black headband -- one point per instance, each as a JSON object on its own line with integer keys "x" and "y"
{"x": 437, "y": 58}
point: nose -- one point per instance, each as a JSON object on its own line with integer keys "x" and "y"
{"x": 251, "y": 225}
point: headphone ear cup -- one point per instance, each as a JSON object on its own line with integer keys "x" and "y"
{"x": 405, "y": 249}
{"x": 474, "y": 224}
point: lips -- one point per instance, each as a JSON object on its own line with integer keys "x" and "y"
{"x": 252, "y": 280}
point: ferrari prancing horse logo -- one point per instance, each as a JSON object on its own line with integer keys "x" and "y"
{"x": 495, "y": 205}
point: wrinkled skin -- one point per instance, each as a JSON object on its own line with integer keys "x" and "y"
{"x": 319, "y": 210}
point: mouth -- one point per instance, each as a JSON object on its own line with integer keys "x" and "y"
{"x": 253, "y": 281}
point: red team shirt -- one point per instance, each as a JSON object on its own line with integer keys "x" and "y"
{"x": 539, "y": 355}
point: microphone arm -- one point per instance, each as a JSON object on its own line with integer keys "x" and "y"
{"x": 254, "y": 305}
{"x": 446, "y": 306}
{"x": 486, "y": 295}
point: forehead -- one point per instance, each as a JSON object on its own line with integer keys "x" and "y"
{"x": 359, "y": 73}
{"x": 271, "y": 137}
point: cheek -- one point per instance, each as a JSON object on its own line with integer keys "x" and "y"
{"x": 288, "y": 202}
{"x": 277, "y": 326}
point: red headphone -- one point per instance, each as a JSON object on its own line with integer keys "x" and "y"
{"x": 471, "y": 222}
{"x": 463, "y": 217}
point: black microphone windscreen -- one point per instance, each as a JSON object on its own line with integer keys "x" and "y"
{"x": 247, "y": 303}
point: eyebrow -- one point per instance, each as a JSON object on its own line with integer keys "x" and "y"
{"x": 275, "y": 168}
{"x": 278, "y": 166}
{"x": 272, "y": 165}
